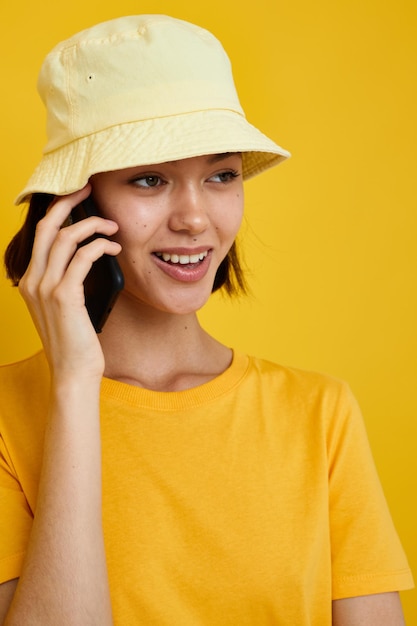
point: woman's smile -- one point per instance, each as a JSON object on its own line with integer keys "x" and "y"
{"x": 181, "y": 257}
{"x": 183, "y": 267}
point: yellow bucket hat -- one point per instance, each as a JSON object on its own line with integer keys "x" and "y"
{"x": 140, "y": 90}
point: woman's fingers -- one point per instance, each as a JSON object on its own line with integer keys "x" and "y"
{"x": 53, "y": 288}
{"x": 67, "y": 290}
{"x": 49, "y": 226}
{"x": 61, "y": 259}
{"x": 67, "y": 249}
{"x": 55, "y": 246}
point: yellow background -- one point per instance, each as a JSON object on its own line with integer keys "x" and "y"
{"x": 329, "y": 237}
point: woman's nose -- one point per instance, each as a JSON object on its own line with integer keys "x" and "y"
{"x": 190, "y": 212}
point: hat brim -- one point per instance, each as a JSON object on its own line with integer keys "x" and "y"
{"x": 68, "y": 168}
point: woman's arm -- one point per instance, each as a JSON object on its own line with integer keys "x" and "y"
{"x": 64, "y": 579}
{"x": 64, "y": 576}
{"x": 382, "y": 609}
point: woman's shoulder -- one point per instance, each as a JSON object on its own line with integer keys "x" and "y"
{"x": 302, "y": 392}
{"x": 21, "y": 375}
{"x": 24, "y": 392}
{"x": 289, "y": 375}
{"x": 32, "y": 361}
{"x": 306, "y": 388}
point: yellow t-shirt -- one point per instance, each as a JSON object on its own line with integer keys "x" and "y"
{"x": 250, "y": 500}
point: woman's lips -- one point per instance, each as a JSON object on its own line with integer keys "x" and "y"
{"x": 182, "y": 266}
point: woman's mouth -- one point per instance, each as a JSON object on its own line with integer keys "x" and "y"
{"x": 182, "y": 259}
{"x": 182, "y": 267}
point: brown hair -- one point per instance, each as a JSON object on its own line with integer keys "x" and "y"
{"x": 229, "y": 275}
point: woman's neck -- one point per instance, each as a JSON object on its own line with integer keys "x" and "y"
{"x": 161, "y": 351}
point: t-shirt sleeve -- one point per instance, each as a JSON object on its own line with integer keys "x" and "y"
{"x": 15, "y": 519}
{"x": 367, "y": 556}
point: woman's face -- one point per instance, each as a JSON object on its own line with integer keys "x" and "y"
{"x": 177, "y": 221}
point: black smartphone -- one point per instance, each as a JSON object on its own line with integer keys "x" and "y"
{"x": 105, "y": 280}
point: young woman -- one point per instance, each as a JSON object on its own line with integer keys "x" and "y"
{"x": 148, "y": 473}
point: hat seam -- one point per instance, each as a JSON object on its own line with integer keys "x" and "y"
{"x": 78, "y": 42}
{"x": 72, "y": 101}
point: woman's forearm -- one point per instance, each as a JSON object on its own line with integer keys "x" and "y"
{"x": 64, "y": 578}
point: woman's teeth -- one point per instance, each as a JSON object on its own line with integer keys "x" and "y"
{"x": 183, "y": 259}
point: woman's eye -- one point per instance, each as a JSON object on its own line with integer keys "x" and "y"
{"x": 147, "y": 181}
{"x": 224, "y": 177}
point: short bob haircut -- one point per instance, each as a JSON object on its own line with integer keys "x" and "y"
{"x": 229, "y": 275}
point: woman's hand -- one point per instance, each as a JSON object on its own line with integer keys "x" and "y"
{"x": 64, "y": 575}
{"x": 52, "y": 286}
